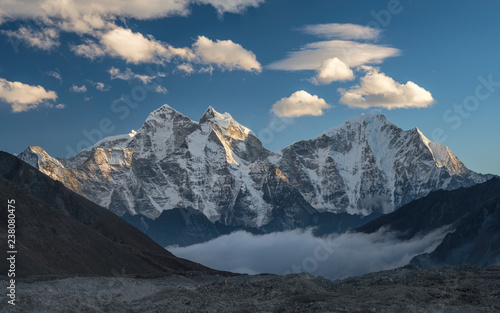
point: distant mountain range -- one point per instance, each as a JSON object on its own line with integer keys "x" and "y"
{"x": 214, "y": 176}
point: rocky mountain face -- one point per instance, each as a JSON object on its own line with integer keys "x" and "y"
{"x": 61, "y": 234}
{"x": 218, "y": 167}
{"x": 369, "y": 164}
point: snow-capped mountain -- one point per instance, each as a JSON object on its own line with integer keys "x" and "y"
{"x": 220, "y": 168}
{"x": 368, "y": 163}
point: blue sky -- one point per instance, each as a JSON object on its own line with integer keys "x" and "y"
{"x": 70, "y": 69}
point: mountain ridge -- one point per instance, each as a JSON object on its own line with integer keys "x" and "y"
{"x": 220, "y": 168}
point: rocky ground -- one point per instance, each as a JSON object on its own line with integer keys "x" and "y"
{"x": 407, "y": 289}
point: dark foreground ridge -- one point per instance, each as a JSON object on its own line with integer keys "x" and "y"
{"x": 408, "y": 289}
{"x": 473, "y": 214}
{"x": 61, "y": 234}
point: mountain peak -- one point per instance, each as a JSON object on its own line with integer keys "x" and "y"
{"x": 224, "y": 121}
{"x": 34, "y": 155}
{"x": 371, "y": 121}
{"x": 162, "y": 113}
{"x": 208, "y": 115}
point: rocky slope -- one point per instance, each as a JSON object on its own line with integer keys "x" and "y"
{"x": 62, "y": 234}
{"x": 408, "y": 289}
{"x": 219, "y": 168}
{"x": 473, "y": 215}
{"x": 475, "y": 240}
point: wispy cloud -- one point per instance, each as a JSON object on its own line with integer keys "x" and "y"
{"x": 116, "y": 73}
{"x": 160, "y": 89}
{"x": 186, "y": 68}
{"x": 78, "y": 89}
{"x": 342, "y": 31}
{"x": 233, "y": 6}
{"x": 44, "y": 39}
{"x": 101, "y": 86}
{"x": 312, "y": 55}
{"x": 56, "y": 75}
{"x": 89, "y": 49}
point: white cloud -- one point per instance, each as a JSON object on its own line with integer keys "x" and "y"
{"x": 232, "y": 6}
{"x": 78, "y": 89}
{"x": 55, "y": 74}
{"x": 300, "y": 103}
{"x": 160, "y": 89}
{"x": 44, "y": 39}
{"x": 133, "y": 47}
{"x": 60, "y": 106}
{"x": 334, "y": 257}
{"x": 379, "y": 90}
{"x": 342, "y": 31}
{"x": 312, "y": 55}
{"x": 116, "y": 73}
{"x": 101, "y": 86}
{"x": 225, "y": 54}
{"x": 186, "y": 68}
{"x": 85, "y": 17}
{"x": 88, "y": 16}
{"x": 89, "y": 49}
{"x": 23, "y": 97}
{"x": 207, "y": 69}
{"x": 332, "y": 70}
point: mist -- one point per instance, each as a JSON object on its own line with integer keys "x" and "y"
{"x": 334, "y": 257}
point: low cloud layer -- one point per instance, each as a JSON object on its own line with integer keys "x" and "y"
{"x": 300, "y": 103}
{"x": 295, "y": 251}
{"x": 377, "y": 90}
{"x": 23, "y": 97}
